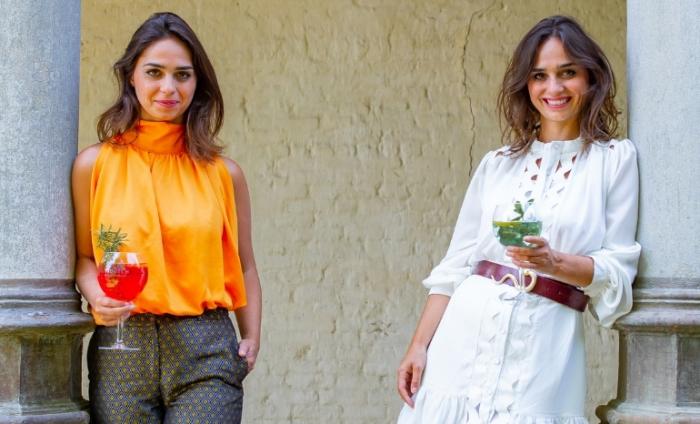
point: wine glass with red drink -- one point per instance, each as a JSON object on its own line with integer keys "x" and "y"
{"x": 122, "y": 276}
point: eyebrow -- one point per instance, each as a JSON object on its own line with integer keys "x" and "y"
{"x": 156, "y": 65}
{"x": 565, "y": 65}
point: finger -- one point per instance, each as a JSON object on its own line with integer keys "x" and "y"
{"x": 123, "y": 311}
{"x": 522, "y": 251}
{"x": 402, "y": 383}
{"x": 111, "y": 303}
{"x": 112, "y": 315}
{"x": 251, "y": 362}
{"x": 540, "y": 241}
{"x": 534, "y": 259}
{"x": 107, "y": 321}
{"x": 244, "y": 349}
{"x": 517, "y": 255}
{"x": 114, "y": 312}
{"x": 417, "y": 374}
{"x": 524, "y": 264}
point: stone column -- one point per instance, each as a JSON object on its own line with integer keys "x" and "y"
{"x": 659, "y": 379}
{"x": 41, "y": 326}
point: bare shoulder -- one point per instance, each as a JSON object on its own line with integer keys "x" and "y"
{"x": 234, "y": 169}
{"x": 87, "y": 157}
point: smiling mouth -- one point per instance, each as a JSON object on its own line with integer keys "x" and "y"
{"x": 167, "y": 103}
{"x": 557, "y": 102}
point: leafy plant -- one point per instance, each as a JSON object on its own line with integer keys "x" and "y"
{"x": 519, "y": 210}
{"x": 110, "y": 240}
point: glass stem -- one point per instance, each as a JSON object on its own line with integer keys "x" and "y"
{"x": 120, "y": 330}
{"x": 521, "y": 277}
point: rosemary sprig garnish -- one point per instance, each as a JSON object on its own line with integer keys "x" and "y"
{"x": 110, "y": 240}
{"x": 519, "y": 210}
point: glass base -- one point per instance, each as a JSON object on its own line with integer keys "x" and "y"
{"x": 119, "y": 346}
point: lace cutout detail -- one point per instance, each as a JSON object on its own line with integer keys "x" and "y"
{"x": 545, "y": 177}
{"x": 559, "y": 179}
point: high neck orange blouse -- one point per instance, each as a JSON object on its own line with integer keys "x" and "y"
{"x": 177, "y": 212}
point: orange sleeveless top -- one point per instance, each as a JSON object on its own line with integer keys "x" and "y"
{"x": 178, "y": 213}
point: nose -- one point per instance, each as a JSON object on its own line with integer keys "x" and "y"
{"x": 555, "y": 85}
{"x": 167, "y": 85}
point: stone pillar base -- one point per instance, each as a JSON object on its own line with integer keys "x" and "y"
{"x": 659, "y": 356}
{"x": 76, "y": 417}
{"x": 41, "y": 334}
{"x": 625, "y": 412}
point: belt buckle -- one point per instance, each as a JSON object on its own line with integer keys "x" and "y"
{"x": 520, "y": 285}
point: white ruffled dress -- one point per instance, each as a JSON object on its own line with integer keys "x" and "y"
{"x": 503, "y": 356}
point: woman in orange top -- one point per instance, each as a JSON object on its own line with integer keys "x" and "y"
{"x": 158, "y": 175}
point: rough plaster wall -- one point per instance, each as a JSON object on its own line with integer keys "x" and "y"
{"x": 357, "y": 124}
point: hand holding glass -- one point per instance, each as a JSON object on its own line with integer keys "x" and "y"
{"x": 510, "y": 225}
{"x": 122, "y": 276}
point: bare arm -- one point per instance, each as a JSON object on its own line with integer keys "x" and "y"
{"x": 411, "y": 369}
{"x": 106, "y": 310}
{"x": 248, "y": 317}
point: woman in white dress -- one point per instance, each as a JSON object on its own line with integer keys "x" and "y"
{"x": 485, "y": 352}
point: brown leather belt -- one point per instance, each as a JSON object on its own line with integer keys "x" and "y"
{"x": 554, "y": 290}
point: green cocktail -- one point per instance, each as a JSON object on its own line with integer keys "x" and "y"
{"x": 511, "y": 233}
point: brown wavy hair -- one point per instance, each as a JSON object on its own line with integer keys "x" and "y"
{"x": 598, "y": 112}
{"x": 205, "y": 115}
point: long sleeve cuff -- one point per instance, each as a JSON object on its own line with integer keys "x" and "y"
{"x": 446, "y": 280}
{"x": 442, "y": 289}
{"x": 610, "y": 289}
{"x": 601, "y": 280}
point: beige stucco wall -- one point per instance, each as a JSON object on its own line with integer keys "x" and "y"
{"x": 357, "y": 123}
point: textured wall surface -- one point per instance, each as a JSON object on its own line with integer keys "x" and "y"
{"x": 357, "y": 123}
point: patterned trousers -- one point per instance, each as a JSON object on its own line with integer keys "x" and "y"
{"x": 186, "y": 371}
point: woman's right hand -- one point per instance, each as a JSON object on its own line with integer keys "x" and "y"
{"x": 107, "y": 310}
{"x": 410, "y": 372}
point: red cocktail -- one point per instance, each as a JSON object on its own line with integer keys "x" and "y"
{"x": 122, "y": 276}
{"x": 123, "y": 281}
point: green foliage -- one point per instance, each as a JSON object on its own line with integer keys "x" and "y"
{"x": 110, "y": 240}
{"x": 519, "y": 210}
{"x": 511, "y": 233}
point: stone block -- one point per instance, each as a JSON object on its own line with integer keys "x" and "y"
{"x": 689, "y": 371}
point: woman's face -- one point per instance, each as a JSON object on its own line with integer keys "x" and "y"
{"x": 557, "y": 88}
{"x": 164, "y": 81}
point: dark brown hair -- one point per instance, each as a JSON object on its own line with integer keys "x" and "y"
{"x": 598, "y": 111}
{"x": 205, "y": 115}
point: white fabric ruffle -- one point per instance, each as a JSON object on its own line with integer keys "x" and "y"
{"x": 498, "y": 357}
{"x": 435, "y": 407}
{"x": 501, "y": 356}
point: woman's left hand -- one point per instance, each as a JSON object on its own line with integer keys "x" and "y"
{"x": 248, "y": 349}
{"x": 540, "y": 257}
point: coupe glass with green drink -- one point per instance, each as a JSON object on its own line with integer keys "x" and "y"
{"x": 512, "y": 222}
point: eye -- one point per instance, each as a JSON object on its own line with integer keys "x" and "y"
{"x": 153, "y": 72}
{"x": 568, "y": 73}
{"x": 538, "y": 76}
{"x": 183, "y": 76}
